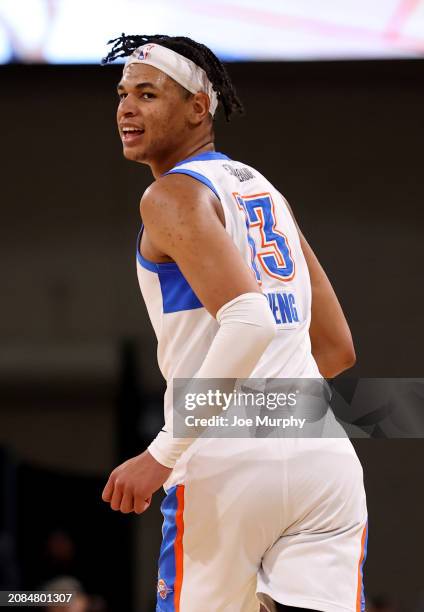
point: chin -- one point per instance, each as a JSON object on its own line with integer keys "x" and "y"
{"x": 130, "y": 153}
{"x": 134, "y": 154}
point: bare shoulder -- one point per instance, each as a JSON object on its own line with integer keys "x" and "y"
{"x": 177, "y": 210}
{"x": 175, "y": 198}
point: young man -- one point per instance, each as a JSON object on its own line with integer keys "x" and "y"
{"x": 227, "y": 277}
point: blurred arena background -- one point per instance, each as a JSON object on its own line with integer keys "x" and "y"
{"x": 334, "y": 98}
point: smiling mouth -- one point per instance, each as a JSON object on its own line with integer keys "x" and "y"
{"x": 131, "y": 135}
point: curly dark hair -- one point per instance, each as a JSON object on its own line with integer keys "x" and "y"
{"x": 196, "y": 52}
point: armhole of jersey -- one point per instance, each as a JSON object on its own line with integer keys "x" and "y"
{"x": 196, "y": 175}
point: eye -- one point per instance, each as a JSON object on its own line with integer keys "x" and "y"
{"x": 146, "y": 95}
{"x": 121, "y": 96}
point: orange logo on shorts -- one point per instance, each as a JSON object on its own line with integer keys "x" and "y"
{"x": 163, "y": 589}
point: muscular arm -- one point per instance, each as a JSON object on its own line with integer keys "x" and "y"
{"x": 332, "y": 345}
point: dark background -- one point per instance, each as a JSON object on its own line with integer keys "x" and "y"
{"x": 80, "y": 388}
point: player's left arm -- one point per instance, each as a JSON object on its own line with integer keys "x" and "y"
{"x": 331, "y": 339}
{"x": 181, "y": 221}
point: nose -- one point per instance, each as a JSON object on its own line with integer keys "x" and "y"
{"x": 128, "y": 107}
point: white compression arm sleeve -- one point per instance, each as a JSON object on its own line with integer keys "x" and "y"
{"x": 246, "y": 329}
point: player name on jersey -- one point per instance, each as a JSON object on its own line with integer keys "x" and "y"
{"x": 283, "y": 307}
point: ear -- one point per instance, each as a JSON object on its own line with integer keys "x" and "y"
{"x": 199, "y": 108}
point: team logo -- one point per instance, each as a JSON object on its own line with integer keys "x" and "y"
{"x": 163, "y": 589}
{"x": 144, "y": 53}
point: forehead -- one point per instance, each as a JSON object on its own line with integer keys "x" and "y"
{"x": 134, "y": 74}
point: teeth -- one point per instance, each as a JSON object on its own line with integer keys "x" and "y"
{"x": 130, "y": 129}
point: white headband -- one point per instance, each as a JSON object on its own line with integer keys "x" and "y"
{"x": 178, "y": 67}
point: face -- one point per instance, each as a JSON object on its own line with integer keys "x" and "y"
{"x": 152, "y": 113}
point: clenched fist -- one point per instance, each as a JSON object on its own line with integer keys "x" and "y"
{"x": 131, "y": 485}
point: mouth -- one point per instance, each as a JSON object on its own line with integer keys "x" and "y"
{"x": 131, "y": 135}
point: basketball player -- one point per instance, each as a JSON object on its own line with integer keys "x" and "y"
{"x": 233, "y": 291}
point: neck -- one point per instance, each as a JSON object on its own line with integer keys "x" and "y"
{"x": 159, "y": 167}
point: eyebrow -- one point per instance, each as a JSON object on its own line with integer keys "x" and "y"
{"x": 121, "y": 87}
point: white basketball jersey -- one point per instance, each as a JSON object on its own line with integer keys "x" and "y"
{"x": 260, "y": 224}
{"x": 230, "y": 485}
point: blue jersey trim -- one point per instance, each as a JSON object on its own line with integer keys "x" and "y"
{"x": 177, "y": 295}
{"x": 208, "y": 155}
{"x": 197, "y": 176}
{"x": 154, "y": 266}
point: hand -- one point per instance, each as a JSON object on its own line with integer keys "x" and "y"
{"x": 131, "y": 485}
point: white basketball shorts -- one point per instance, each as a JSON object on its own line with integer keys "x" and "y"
{"x": 258, "y": 520}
